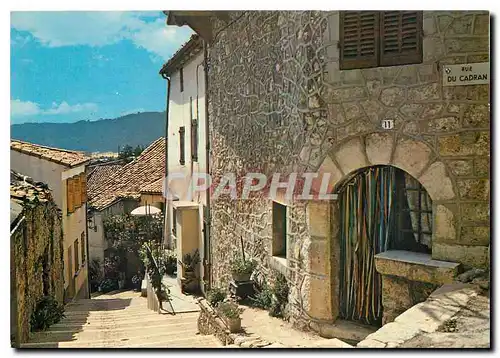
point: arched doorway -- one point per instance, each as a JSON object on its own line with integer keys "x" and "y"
{"x": 381, "y": 208}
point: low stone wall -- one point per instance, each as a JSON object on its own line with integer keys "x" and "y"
{"x": 426, "y": 317}
{"x": 210, "y": 323}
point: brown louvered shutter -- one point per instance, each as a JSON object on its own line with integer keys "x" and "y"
{"x": 83, "y": 183}
{"x": 78, "y": 191}
{"x": 70, "y": 195}
{"x": 400, "y": 37}
{"x": 359, "y": 39}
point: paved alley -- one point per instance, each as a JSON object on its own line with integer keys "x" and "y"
{"x": 121, "y": 320}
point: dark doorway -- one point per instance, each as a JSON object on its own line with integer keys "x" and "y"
{"x": 381, "y": 208}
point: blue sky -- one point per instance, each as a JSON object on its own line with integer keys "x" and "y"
{"x": 71, "y": 66}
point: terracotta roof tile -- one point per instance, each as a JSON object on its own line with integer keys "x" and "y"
{"x": 23, "y": 189}
{"x": 127, "y": 181}
{"x": 65, "y": 157}
{"x": 98, "y": 175}
{"x": 153, "y": 188}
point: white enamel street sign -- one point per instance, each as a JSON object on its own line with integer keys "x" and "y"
{"x": 466, "y": 74}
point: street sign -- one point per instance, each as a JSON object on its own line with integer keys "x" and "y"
{"x": 466, "y": 74}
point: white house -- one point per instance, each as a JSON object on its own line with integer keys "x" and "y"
{"x": 187, "y": 151}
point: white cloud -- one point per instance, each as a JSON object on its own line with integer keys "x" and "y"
{"x": 19, "y": 108}
{"x": 65, "y": 108}
{"x": 100, "y": 28}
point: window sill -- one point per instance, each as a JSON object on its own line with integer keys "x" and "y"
{"x": 415, "y": 266}
{"x": 280, "y": 264}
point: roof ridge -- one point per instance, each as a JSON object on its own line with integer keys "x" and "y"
{"x": 47, "y": 147}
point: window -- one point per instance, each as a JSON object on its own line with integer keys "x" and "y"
{"x": 77, "y": 259}
{"x": 82, "y": 242}
{"x": 380, "y": 38}
{"x": 181, "y": 79}
{"x": 279, "y": 230}
{"x": 70, "y": 200}
{"x": 194, "y": 132}
{"x": 182, "y": 132}
{"x": 414, "y": 219}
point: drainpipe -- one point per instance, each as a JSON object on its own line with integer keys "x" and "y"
{"x": 207, "y": 143}
{"x": 87, "y": 244}
{"x": 167, "y": 206}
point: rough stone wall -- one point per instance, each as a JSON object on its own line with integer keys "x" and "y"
{"x": 279, "y": 103}
{"x": 39, "y": 236}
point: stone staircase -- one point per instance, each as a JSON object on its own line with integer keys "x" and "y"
{"x": 121, "y": 320}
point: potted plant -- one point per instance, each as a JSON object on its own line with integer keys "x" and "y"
{"x": 190, "y": 262}
{"x": 241, "y": 270}
{"x": 230, "y": 313}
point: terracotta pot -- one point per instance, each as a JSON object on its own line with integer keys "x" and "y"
{"x": 234, "y": 324}
{"x": 240, "y": 277}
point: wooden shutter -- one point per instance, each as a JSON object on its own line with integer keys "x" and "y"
{"x": 70, "y": 195}
{"x": 359, "y": 39}
{"x": 83, "y": 184}
{"x": 182, "y": 158}
{"x": 400, "y": 37}
{"x": 77, "y": 191}
{"x": 194, "y": 139}
{"x": 77, "y": 259}
{"x": 82, "y": 242}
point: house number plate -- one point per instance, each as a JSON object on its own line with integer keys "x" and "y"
{"x": 388, "y": 124}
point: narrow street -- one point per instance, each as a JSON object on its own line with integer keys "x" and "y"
{"x": 121, "y": 320}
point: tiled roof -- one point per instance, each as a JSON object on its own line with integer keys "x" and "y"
{"x": 189, "y": 49}
{"x": 127, "y": 181}
{"x": 65, "y": 157}
{"x": 153, "y": 188}
{"x": 99, "y": 174}
{"x": 23, "y": 188}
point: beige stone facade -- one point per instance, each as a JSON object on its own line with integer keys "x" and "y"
{"x": 278, "y": 103}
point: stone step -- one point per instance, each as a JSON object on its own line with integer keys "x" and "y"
{"x": 187, "y": 339}
{"x": 110, "y": 320}
{"x": 108, "y": 334}
{"x": 147, "y": 322}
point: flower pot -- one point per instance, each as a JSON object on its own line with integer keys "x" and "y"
{"x": 240, "y": 277}
{"x": 189, "y": 274}
{"x": 234, "y": 324}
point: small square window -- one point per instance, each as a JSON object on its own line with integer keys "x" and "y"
{"x": 279, "y": 230}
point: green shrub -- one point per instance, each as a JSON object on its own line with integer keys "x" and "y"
{"x": 229, "y": 310}
{"x": 108, "y": 285}
{"x": 263, "y": 298}
{"x": 280, "y": 292}
{"x": 215, "y": 296}
{"x": 47, "y": 312}
{"x": 170, "y": 262}
{"x": 240, "y": 266}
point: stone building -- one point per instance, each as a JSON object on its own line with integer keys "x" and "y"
{"x": 64, "y": 172}
{"x": 36, "y": 251}
{"x": 360, "y": 96}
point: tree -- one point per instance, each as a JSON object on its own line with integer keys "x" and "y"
{"x": 138, "y": 150}
{"x": 126, "y": 152}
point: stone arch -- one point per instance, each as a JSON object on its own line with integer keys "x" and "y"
{"x": 413, "y": 156}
